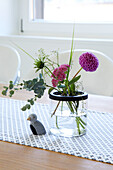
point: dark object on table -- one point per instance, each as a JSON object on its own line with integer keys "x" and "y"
{"x": 36, "y": 126}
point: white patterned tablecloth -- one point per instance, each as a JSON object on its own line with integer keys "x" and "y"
{"x": 97, "y": 144}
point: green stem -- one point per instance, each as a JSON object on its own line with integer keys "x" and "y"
{"x": 77, "y": 72}
{"x": 75, "y": 104}
{"x": 71, "y": 55}
{"x": 58, "y": 59}
{"x": 51, "y": 87}
{"x": 50, "y": 64}
{"x": 55, "y": 109}
{"x": 57, "y": 122}
{"x": 49, "y": 70}
{"x": 69, "y": 103}
{"x": 62, "y": 106}
{"x": 81, "y": 124}
{"x": 82, "y": 121}
{"x": 24, "y": 51}
{"x": 78, "y": 127}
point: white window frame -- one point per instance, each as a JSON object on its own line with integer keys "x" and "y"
{"x": 46, "y": 28}
{"x": 39, "y": 13}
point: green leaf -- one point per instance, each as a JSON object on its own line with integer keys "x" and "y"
{"x": 61, "y": 86}
{"x": 40, "y": 75}
{"x": 17, "y": 88}
{"x": 74, "y": 80}
{"x": 11, "y": 92}
{"x": 11, "y": 86}
{"x": 39, "y": 95}
{"x": 72, "y": 88}
{"x": 5, "y": 87}
{"x": 36, "y": 69}
{"x": 23, "y": 108}
{"x": 35, "y": 80}
{"x": 31, "y": 102}
{"x": 4, "y": 92}
{"x": 21, "y": 84}
{"x": 50, "y": 89}
{"x": 23, "y": 50}
{"x": 71, "y": 55}
{"x": 28, "y": 106}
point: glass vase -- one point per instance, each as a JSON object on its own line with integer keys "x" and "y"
{"x": 68, "y": 114}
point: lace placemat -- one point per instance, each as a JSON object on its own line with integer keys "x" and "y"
{"x": 97, "y": 144}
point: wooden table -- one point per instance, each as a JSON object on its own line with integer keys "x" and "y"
{"x": 18, "y": 157}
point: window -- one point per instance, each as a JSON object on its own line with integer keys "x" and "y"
{"x": 73, "y": 10}
{"x": 92, "y": 18}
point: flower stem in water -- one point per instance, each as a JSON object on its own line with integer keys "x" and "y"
{"x": 78, "y": 127}
{"x": 55, "y": 109}
{"x": 57, "y": 122}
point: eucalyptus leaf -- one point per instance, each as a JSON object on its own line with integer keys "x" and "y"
{"x": 17, "y": 88}
{"x": 11, "y": 92}
{"x": 23, "y": 108}
{"x": 61, "y": 86}
{"x": 5, "y": 87}
{"x": 32, "y": 102}
{"x": 4, "y": 92}
{"x": 35, "y": 80}
{"x": 11, "y": 86}
{"x": 28, "y": 106}
{"x": 40, "y": 75}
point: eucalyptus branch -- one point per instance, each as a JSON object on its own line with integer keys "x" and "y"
{"x": 29, "y": 104}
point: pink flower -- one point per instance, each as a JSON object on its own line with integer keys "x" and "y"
{"x": 55, "y": 72}
{"x": 64, "y": 67}
{"x": 59, "y": 74}
{"x": 88, "y": 62}
{"x": 54, "y": 82}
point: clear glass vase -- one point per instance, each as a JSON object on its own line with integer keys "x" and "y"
{"x": 68, "y": 114}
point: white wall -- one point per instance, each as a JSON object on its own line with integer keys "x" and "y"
{"x": 9, "y": 23}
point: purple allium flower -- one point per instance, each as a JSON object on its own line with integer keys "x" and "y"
{"x": 88, "y": 62}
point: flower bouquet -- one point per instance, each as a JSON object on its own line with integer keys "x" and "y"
{"x": 62, "y": 89}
